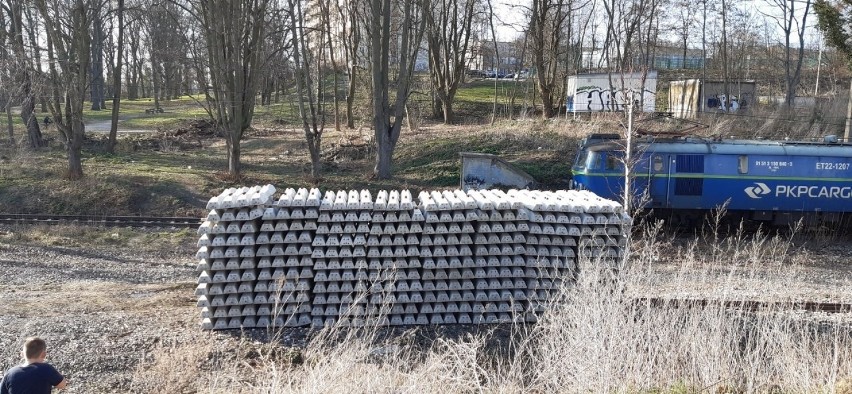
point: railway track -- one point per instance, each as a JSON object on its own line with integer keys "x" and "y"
{"x": 194, "y": 222}
{"x": 109, "y": 221}
{"x": 748, "y": 305}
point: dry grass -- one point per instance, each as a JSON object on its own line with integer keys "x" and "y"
{"x": 779, "y": 122}
{"x": 595, "y": 338}
{"x": 99, "y": 237}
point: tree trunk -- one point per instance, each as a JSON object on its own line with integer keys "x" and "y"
{"x": 75, "y": 163}
{"x": 234, "y": 169}
{"x": 447, "y": 106}
{"x": 116, "y": 81}
{"x": 496, "y": 56}
{"x": 546, "y": 102}
{"x": 316, "y": 160}
{"x": 24, "y": 77}
{"x": 307, "y": 109}
{"x": 10, "y": 127}
{"x": 155, "y": 82}
{"x": 348, "y": 16}
{"x": 384, "y": 158}
{"x": 33, "y": 26}
{"x": 379, "y": 48}
{"x": 29, "y": 117}
{"x": 326, "y": 11}
{"x": 132, "y": 68}
{"x": 97, "y": 69}
{"x": 350, "y": 98}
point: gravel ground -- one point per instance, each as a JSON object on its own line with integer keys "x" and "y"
{"x": 100, "y": 311}
{"x": 105, "y": 311}
{"x": 811, "y": 270}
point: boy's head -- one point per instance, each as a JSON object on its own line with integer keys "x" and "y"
{"x": 34, "y": 348}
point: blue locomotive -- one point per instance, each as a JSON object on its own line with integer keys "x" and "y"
{"x": 683, "y": 178}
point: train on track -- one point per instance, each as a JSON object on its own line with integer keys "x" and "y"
{"x": 684, "y": 178}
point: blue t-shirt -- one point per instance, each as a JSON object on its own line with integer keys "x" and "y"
{"x": 35, "y": 378}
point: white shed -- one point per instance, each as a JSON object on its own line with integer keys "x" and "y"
{"x": 608, "y": 92}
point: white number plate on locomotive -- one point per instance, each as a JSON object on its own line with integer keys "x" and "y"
{"x": 832, "y": 166}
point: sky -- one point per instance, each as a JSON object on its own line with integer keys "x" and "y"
{"x": 509, "y": 17}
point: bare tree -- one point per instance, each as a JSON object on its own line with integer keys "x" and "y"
{"x": 351, "y": 29}
{"x": 97, "y": 60}
{"x": 725, "y": 61}
{"x": 116, "y": 79}
{"x": 325, "y": 34}
{"x": 791, "y": 22}
{"x": 496, "y": 56}
{"x": 448, "y": 36}
{"x": 5, "y": 77}
{"x": 67, "y": 25}
{"x": 133, "y": 57}
{"x": 546, "y": 22}
{"x": 22, "y": 73}
{"x": 234, "y": 32}
{"x": 685, "y": 14}
{"x": 34, "y": 33}
{"x": 310, "y": 106}
{"x": 387, "y": 119}
{"x": 166, "y": 49}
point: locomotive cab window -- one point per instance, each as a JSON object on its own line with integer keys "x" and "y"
{"x": 593, "y": 162}
{"x": 612, "y": 162}
{"x": 581, "y": 159}
{"x": 657, "y": 163}
{"x": 742, "y": 164}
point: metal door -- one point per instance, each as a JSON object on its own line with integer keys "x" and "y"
{"x": 659, "y": 180}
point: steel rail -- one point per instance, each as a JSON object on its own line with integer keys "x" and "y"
{"x": 96, "y": 220}
{"x": 747, "y": 305}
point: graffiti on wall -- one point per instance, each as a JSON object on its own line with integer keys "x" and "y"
{"x": 597, "y": 99}
{"x": 604, "y": 92}
{"x": 720, "y": 102}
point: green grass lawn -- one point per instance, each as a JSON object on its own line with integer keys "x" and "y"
{"x": 132, "y": 113}
{"x": 147, "y": 177}
{"x": 474, "y": 99}
{"x": 154, "y": 174}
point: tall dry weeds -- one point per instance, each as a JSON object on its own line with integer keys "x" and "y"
{"x": 599, "y": 336}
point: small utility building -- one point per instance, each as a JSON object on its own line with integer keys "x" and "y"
{"x": 689, "y": 97}
{"x": 610, "y": 92}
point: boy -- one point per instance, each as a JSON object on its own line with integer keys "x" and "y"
{"x": 34, "y": 376}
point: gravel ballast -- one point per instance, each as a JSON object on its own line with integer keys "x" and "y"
{"x": 109, "y": 314}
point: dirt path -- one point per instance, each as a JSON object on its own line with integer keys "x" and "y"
{"x": 103, "y": 126}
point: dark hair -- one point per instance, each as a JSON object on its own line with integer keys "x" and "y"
{"x": 33, "y": 347}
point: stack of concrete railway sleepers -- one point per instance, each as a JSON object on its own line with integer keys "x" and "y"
{"x": 499, "y": 256}
{"x": 227, "y": 257}
{"x": 345, "y": 258}
{"x": 393, "y": 255}
{"x": 448, "y": 266}
{"x": 562, "y": 227}
{"x": 340, "y": 258}
{"x": 286, "y": 267}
